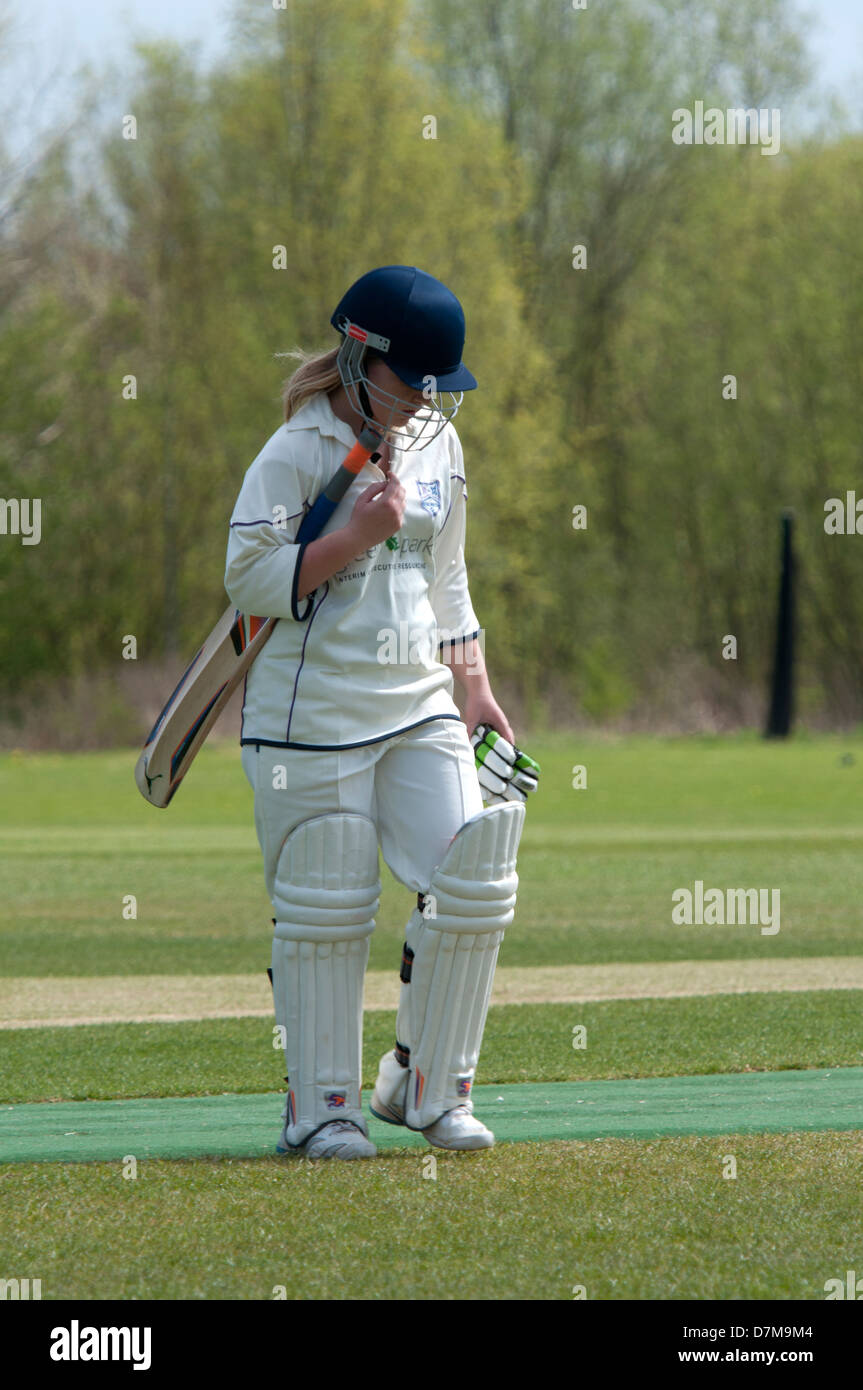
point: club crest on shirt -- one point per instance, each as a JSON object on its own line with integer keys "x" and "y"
{"x": 429, "y": 496}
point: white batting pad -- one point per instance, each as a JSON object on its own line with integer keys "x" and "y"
{"x": 327, "y": 892}
{"x": 444, "y": 1005}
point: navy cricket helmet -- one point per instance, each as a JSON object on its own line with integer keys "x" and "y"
{"x": 416, "y": 326}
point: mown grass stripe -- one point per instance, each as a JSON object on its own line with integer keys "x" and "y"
{"x": 216, "y": 841}
{"x": 37, "y": 1002}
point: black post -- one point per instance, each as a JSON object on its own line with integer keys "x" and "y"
{"x": 781, "y": 713}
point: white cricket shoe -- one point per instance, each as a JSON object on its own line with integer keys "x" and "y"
{"x": 456, "y": 1129}
{"x": 388, "y": 1097}
{"x": 338, "y": 1139}
{"x": 459, "y": 1129}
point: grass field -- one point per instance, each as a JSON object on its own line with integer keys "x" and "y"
{"x": 626, "y": 1218}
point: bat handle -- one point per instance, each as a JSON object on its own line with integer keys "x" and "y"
{"x": 367, "y": 446}
{"x": 316, "y": 519}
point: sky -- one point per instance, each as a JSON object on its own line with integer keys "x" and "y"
{"x": 836, "y": 42}
{"x": 64, "y": 33}
{"x": 91, "y": 29}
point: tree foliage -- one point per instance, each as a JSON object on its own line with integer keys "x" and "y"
{"x": 600, "y": 387}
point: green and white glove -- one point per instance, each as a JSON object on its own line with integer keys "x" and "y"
{"x": 505, "y": 773}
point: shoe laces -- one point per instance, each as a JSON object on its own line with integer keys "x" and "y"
{"x": 342, "y": 1127}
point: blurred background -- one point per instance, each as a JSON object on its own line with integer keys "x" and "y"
{"x": 306, "y": 126}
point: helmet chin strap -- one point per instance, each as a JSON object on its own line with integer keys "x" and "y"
{"x": 364, "y": 401}
{"x": 367, "y": 412}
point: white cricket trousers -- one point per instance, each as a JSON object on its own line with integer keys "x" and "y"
{"x": 418, "y": 787}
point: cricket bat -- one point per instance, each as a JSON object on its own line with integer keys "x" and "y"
{"x": 222, "y": 661}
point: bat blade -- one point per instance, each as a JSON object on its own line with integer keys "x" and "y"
{"x": 204, "y": 689}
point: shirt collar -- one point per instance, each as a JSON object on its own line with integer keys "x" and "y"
{"x": 317, "y": 413}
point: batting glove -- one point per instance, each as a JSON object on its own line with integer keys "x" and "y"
{"x": 505, "y": 773}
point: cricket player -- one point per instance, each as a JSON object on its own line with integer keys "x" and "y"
{"x": 351, "y": 738}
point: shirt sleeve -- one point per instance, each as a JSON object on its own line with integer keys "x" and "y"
{"x": 263, "y": 561}
{"x": 448, "y": 593}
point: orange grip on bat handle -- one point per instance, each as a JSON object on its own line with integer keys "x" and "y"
{"x": 366, "y": 445}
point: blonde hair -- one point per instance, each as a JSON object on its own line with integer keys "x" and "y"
{"x": 317, "y": 371}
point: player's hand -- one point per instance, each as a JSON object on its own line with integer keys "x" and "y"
{"x": 483, "y": 709}
{"x": 378, "y": 512}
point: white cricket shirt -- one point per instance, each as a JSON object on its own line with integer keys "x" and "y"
{"x": 357, "y": 660}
